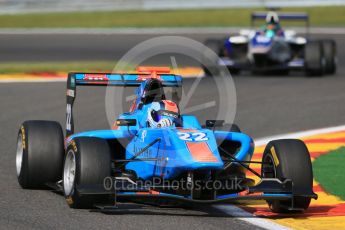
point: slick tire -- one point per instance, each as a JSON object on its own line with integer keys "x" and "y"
{"x": 329, "y": 49}
{"x": 289, "y": 158}
{"x": 314, "y": 58}
{"x": 40, "y": 152}
{"x": 87, "y": 164}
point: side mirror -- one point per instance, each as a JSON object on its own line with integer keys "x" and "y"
{"x": 214, "y": 123}
{"x": 126, "y": 122}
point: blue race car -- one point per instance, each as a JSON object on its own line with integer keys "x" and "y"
{"x": 155, "y": 154}
{"x": 271, "y": 49}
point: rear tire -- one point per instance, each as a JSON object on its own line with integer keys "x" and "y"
{"x": 87, "y": 163}
{"x": 289, "y": 159}
{"x": 314, "y": 58}
{"x": 329, "y": 48}
{"x": 40, "y": 151}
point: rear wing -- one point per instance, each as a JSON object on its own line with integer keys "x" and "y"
{"x": 295, "y": 16}
{"x": 114, "y": 79}
{"x": 110, "y": 79}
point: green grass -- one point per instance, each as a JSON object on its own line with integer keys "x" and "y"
{"x": 329, "y": 172}
{"x": 320, "y": 16}
{"x": 65, "y": 66}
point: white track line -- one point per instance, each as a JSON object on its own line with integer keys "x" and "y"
{"x": 260, "y": 222}
{"x": 265, "y": 140}
{"x": 157, "y": 31}
{"x": 240, "y": 214}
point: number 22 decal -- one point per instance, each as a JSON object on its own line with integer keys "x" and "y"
{"x": 192, "y": 136}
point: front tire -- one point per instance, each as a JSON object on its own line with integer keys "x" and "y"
{"x": 314, "y": 58}
{"x": 87, "y": 163}
{"x": 40, "y": 152}
{"x": 329, "y": 48}
{"x": 289, "y": 159}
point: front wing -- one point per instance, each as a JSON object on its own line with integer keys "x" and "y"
{"x": 267, "y": 189}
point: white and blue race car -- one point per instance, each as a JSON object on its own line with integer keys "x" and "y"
{"x": 270, "y": 49}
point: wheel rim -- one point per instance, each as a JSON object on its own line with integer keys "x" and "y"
{"x": 19, "y": 155}
{"x": 69, "y": 173}
{"x": 268, "y": 168}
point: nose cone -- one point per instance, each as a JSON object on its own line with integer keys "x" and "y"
{"x": 196, "y": 149}
{"x": 201, "y": 152}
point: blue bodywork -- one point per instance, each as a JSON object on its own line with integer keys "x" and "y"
{"x": 174, "y": 152}
{"x": 176, "y": 157}
{"x": 179, "y": 149}
{"x": 262, "y": 40}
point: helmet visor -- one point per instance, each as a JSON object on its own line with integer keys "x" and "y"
{"x": 158, "y": 115}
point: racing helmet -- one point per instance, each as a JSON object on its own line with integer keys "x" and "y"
{"x": 272, "y": 18}
{"x": 163, "y": 113}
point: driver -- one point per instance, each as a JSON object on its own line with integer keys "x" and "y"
{"x": 272, "y": 24}
{"x": 162, "y": 114}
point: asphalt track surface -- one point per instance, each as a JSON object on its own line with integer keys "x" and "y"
{"x": 266, "y": 105}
